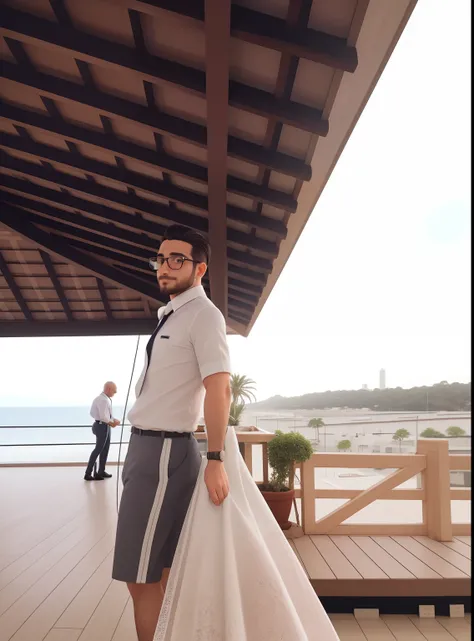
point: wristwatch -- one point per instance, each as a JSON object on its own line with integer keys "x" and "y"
{"x": 216, "y": 456}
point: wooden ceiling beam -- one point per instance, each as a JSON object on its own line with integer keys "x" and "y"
{"x": 132, "y": 201}
{"x": 119, "y": 327}
{"x": 132, "y": 151}
{"x": 66, "y": 40}
{"x": 53, "y": 244}
{"x": 104, "y": 299}
{"x": 264, "y": 30}
{"x": 159, "y": 122}
{"x": 119, "y": 252}
{"x": 140, "y": 230}
{"x": 48, "y": 263}
{"x": 217, "y": 32}
{"x": 15, "y": 290}
{"x": 145, "y": 183}
{"x": 131, "y": 243}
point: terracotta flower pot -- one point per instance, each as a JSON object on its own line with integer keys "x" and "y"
{"x": 280, "y": 504}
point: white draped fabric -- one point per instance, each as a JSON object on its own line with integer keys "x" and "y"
{"x": 234, "y": 576}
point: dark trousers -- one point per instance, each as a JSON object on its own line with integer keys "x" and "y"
{"x": 101, "y": 449}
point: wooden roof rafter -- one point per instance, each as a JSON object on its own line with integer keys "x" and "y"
{"x": 62, "y": 39}
{"x": 130, "y": 200}
{"x": 48, "y": 263}
{"x": 112, "y": 127}
{"x": 15, "y": 290}
{"x": 265, "y": 30}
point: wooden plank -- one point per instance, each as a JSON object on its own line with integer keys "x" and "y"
{"x": 460, "y": 462}
{"x": 106, "y": 617}
{"x": 380, "y": 529}
{"x": 386, "y": 562}
{"x": 336, "y": 560}
{"x": 47, "y": 614}
{"x": 9, "y": 573}
{"x": 81, "y": 608}
{"x": 464, "y": 539}
{"x": 431, "y": 629}
{"x": 375, "y": 630}
{"x": 22, "y": 583}
{"x": 265, "y": 462}
{"x": 369, "y": 461}
{"x": 248, "y": 456}
{"x": 24, "y": 607}
{"x": 461, "y": 529}
{"x": 293, "y": 547}
{"x": 126, "y": 630}
{"x": 445, "y": 569}
{"x": 393, "y": 587}
{"x": 63, "y": 635}
{"x": 460, "y": 494}
{"x": 367, "y": 568}
{"x": 308, "y": 507}
{"x": 459, "y": 547}
{"x": 460, "y": 629}
{"x": 316, "y": 566}
{"x": 408, "y": 560}
{"x": 348, "y": 629}
{"x": 393, "y": 495}
{"x": 451, "y": 556}
{"x": 402, "y": 628}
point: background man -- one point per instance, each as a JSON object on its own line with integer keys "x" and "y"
{"x": 101, "y": 412}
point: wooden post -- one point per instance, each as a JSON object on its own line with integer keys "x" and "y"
{"x": 308, "y": 516}
{"x": 437, "y": 486}
{"x": 265, "y": 462}
{"x": 248, "y": 456}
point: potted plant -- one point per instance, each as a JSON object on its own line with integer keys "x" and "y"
{"x": 284, "y": 451}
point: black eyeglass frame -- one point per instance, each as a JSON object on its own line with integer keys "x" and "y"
{"x": 159, "y": 261}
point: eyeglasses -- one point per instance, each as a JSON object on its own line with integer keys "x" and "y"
{"x": 174, "y": 262}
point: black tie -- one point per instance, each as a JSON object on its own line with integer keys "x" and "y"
{"x": 151, "y": 340}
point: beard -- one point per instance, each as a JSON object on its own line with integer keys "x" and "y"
{"x": 174, "y": 287}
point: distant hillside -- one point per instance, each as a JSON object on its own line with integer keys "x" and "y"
{"x": 441, "y": 397}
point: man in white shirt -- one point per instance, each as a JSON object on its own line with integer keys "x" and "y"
{"x": 186, "y": 362}
{"x": 101, "y": 412}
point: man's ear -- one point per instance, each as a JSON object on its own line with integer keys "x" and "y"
{"x": 201, "y": 269}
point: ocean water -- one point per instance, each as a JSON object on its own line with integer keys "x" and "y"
{"x": 63, "y": 434}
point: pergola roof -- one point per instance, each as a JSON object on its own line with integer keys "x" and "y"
{"x": 119, "y": 117}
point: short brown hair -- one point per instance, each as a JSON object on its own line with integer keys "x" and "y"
{"x": 201, "y": 252}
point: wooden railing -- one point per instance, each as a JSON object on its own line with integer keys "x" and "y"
{"x": 432, "y": 460}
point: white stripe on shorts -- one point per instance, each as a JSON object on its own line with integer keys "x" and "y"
{"x": 155, "y": 511}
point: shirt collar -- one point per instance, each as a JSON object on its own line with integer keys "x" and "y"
{"x": 177, "y": 302}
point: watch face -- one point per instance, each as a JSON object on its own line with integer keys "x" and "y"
{"x": 221, "y": 456}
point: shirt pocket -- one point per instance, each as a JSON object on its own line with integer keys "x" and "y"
{"x": 174, "y": 349}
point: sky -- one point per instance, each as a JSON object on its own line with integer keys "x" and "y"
{"x": 380, "y": 277}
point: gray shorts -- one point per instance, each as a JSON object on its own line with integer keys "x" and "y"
{"x": 159, "y": 477}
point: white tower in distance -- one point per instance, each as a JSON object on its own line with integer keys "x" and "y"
{"x": 382, "y": 380}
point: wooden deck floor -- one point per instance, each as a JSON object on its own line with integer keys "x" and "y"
{"x": 56, "y": 543}
{"x": 384, "y": 566}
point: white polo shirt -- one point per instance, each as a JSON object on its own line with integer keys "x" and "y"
{"x": 101, "y": 408}
{"x": 191, "y": 345}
